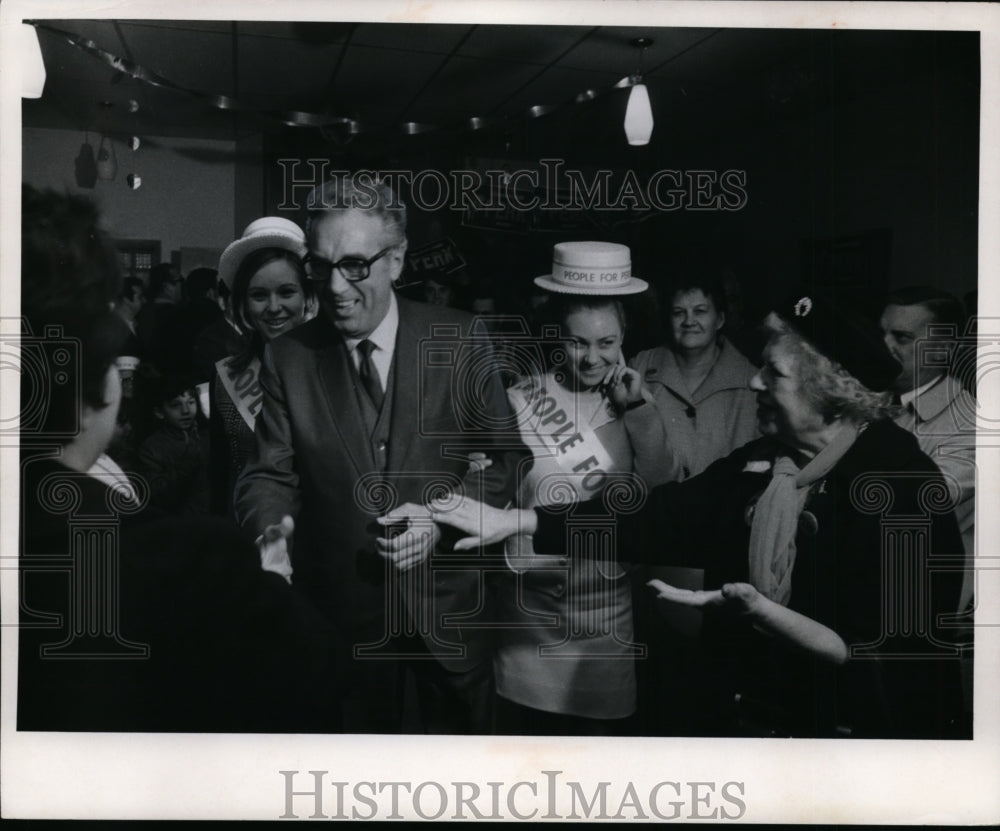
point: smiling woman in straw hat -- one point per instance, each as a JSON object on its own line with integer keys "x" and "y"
{"x": 563, "y": 660}
{"x": 830, "y": 546}
{"x": 265, "y": 274}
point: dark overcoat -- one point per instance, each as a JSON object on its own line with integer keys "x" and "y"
{"x": 317, "y": 460}
{"x": 879, "y": 561}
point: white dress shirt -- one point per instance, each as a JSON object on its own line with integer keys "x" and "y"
{"x": 384, "y": 339}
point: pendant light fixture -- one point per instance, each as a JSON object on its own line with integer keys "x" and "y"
{"x": 32, "y": 65}
{"x": 638, "y": 112}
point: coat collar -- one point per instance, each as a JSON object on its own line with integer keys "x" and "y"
{"x": 729, "y": 372}
{"x": 937, "y": 398}
{"x": 407, "y": 383}
{"x": 883, "y": 445}
{"x": 338, "y": 381}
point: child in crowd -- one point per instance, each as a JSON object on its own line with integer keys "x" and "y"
{"x": 173, "y": 458}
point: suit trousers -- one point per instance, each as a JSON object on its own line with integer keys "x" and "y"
{"x": 381, "y": 688}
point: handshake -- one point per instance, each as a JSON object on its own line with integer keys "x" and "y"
{"x": 411, "y": 531}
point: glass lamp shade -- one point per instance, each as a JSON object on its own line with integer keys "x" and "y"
{"x": 32, "y": 65}
{"x": 638, "y": 116}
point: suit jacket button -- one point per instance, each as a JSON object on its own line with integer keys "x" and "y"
{"x": 381, "y": 447}
{"x": 559, "y": 589}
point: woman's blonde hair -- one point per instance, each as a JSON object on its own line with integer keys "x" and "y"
{"x": 833, "y": 391}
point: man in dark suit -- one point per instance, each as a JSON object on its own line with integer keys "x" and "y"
{"x": 373, "y": 406}
{"x": 128, "y": 305}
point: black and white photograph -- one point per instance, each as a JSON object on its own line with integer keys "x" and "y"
{"x": 528, "y": 412}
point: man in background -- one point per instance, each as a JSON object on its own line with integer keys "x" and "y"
{"x": 920, "y": 325}
{"x": 130, "y": 302}
{"x": 158, "y": 322}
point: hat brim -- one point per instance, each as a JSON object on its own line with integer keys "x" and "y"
{"x": 635, "y": 286}
{"x": 240, "y": 249}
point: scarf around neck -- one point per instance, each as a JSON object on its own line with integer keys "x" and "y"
{"x": 776, "y": 516}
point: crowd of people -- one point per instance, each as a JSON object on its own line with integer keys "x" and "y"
{"x": 325, "y": 506}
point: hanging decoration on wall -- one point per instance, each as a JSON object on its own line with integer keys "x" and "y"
{"x": 132, "y": 180}
{"x": 343, "y": 127}
{"x": 85, "y": 165}
{"x": 107, "y": 161}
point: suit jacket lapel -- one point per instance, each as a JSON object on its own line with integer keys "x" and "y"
{"x": 338, "y": 385}
{"x": 404, "y": 423}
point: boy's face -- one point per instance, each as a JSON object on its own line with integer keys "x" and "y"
{"x": 179, "y": 411}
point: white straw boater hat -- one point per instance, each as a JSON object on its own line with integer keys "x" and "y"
{"x": 598, "y": 268}
{"x": 266, "y": 232}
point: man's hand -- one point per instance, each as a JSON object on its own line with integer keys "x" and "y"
{"x": 273, "y": 547}
{"x": 410, "y": 535}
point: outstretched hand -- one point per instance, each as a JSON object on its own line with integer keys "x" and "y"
{"x": 273, "y": 547}
{"x": 741, "y": 597}
{"x": 484, "y": 523}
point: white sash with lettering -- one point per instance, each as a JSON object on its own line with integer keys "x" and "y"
{"x": 243, "y": 388}
{"x": 569, "y": 459}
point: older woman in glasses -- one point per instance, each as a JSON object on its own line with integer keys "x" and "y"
{"x": 830, "y": 548}
{"x": 271, "y": 295}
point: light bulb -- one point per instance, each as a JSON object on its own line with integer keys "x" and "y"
{"x": 638, "y": 116}
{"x": 32, "y": 65}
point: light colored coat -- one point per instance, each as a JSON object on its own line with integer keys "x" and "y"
{"x": 698, "y": 427}
{"x": 943, "y": 418}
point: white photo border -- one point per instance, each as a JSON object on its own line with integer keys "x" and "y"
{"x": 157, "y": 776}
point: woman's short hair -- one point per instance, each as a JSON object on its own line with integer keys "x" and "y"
{"x": 70, "y": 278}
{"x": 251, "y": 264}
{"x": 254, "y": 262}
{"x": 833, "y": 391}
{"x": 691, "y": 278}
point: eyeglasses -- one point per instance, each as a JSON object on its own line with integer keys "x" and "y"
{"x": 354, "y": 269}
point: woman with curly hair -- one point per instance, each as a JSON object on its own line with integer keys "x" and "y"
{"x": 829, "y": 545}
